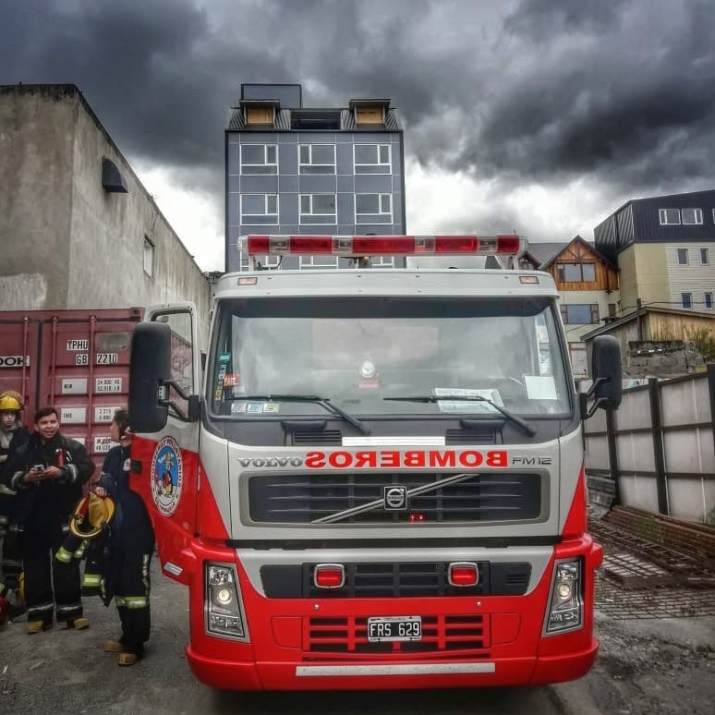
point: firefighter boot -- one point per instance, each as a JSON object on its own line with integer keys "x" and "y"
{"x": 113, "y": 647}
{"x": 78, "y": 624}
{"x": 34, "y": 627}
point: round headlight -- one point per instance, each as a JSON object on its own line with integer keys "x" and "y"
{"x": 224, "y": 596}
{"x": 564, "y": 591}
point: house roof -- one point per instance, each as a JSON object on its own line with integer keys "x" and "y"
{"x": 604, "y": 329}
{"x": 237, "y": 122}
{"x": 544, "y": 252}
{"x": 576, "y": 239}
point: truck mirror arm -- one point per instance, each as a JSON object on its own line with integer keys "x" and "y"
{"x": 194, "y": 401}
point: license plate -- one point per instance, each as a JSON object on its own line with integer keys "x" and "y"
{"x": 394, "y": 628}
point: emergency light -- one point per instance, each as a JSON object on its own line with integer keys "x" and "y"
{"x": 347, "y": 246}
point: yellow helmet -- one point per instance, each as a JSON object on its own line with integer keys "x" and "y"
{"x": 91, "y": 515}
{"x": 10, "y": 401}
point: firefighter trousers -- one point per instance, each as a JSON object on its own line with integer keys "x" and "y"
{"x": 50, "y": 584}
{"x": 132, "y": 600}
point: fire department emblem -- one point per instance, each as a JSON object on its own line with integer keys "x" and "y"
{"x": 167, "y": 476}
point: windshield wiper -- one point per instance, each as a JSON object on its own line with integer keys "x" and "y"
{"x": 525, "y": 426}
{"x": 322, "y": 401}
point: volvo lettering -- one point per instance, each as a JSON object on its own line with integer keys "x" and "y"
{"x": 373, "y": 478}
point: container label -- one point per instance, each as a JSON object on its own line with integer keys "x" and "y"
{"x": 74, "y": 386}
{"x": 14, "y": 361}
{"x": 108, "y": 384}
{"x": 77, "y": 345}
{"x": 81, "y": 359}
{"x": 102, "y": 444}
{"x": 73, "y": 415}
{"x": 105, "y": 413}
{"x": 107, "y": 358}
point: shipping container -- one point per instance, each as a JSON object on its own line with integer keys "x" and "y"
{"x": 74, "y": 360}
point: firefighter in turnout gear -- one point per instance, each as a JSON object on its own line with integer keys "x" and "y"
{"x": 12, "y": 436}
{"x": 131, "y": 544}
{"x": 48, "y": 473}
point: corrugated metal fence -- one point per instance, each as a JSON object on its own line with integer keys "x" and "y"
{"x": 657, "y": 452}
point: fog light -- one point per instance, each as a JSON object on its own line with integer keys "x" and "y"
{"x": 224, "y": 597}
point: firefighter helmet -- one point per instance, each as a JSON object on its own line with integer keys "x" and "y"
{"x": 10, "y": 401}
{"x": 91, "y": 516}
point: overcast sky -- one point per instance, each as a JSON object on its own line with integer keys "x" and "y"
{"x": 541, "y": 116}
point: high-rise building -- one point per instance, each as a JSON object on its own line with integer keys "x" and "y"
{"x": 317, "y": 171}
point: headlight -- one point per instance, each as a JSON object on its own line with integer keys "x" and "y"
{"x": 565, "y": 611}
{"x": 224, "y": 610}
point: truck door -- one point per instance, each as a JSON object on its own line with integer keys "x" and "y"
{"x": 165, "y": 379}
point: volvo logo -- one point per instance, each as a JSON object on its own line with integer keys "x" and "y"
{"x": 395, "y": 498}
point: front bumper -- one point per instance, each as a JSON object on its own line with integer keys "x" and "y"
{"x": 514, "y": 654}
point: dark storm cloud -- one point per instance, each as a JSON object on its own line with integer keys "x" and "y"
{"x": 533, "y": 90}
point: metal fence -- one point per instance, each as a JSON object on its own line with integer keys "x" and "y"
{"x": 657, "y": 452}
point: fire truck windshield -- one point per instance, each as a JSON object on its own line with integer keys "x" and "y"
{"x": 361, "y": 353}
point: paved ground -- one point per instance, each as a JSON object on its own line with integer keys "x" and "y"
{"x": 657, "y": 658}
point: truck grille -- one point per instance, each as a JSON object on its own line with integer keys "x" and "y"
{"x": 303, "y": 498}
{"x": 439, "y": 634}
{"x": 395, "y": 580}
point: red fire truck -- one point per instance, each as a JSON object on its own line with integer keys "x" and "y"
{"x": 377, "y": 479}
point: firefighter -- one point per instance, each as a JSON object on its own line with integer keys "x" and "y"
{"x": 12, "y": 436}
{"x": 47, "y": 473}
{"x": 131, "y": 544}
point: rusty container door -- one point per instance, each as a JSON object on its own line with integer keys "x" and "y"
{"x": 19, "y": 353}
{"x": 84, "y": 371}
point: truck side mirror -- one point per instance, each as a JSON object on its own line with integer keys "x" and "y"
{"x": 149, "y": 371}
{"x": 607, "y": 374}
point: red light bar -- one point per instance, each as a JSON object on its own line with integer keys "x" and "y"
{"x": 383, "y": 245}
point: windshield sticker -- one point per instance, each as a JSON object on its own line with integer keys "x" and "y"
{"x": 230, "y": 379}
{"x": 270, "y": 407}
{"x": 224, "y": 357}
{"x": 255, "y": 408}
{"x": 540, "y": 387}
{"x": 452, "y": 403}
{"x": 238, "y": 408}
{"x": 218, "y": 391}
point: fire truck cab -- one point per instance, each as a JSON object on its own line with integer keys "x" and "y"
{"x": 377, "y": 479}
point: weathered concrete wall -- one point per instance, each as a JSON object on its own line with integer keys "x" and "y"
{"x": 36, "y": 133}
{"x": 78, "y": 246}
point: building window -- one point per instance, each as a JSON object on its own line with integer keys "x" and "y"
{"x": 704, "y": 257}
{"x": 708, "y": 300}
{"x": 373, "y": 208}
{"x": 318, "y": 261}
{"x": 316, "y": 158}
{"x": 382, "y": 262}
{"x": 686, "y": 300}
{"x": 576, "y": 272}
{"x": 372, "y": 158}
{"x": 259, "y": 209}
{"x": 580, "y": 314}
{"x": 259, "y": 159}
{"x": 317, "y": 209}
{"x": 683, "y": 259}
{"x": 692, "y": 217}
{"x": 148, "y": 256}
{"x": 669, "y": 217}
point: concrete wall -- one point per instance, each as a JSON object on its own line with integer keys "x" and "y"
{"x": 36, "y": 135}
{"x": 84, "y": 246}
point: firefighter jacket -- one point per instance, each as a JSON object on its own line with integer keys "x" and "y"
{"x": 128, "y": 532}
{"x": 44, "y": 508}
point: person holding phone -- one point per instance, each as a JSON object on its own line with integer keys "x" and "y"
{"x": 48, "y": 473}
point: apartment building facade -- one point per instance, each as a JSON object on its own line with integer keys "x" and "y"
{"x": 664, "y": 249}
{"x": 317, "y": 171}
